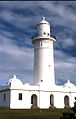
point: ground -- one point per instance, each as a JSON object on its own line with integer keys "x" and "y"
{"x": 32, "y": 113}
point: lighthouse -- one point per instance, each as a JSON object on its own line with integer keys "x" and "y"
{"x": 44, "y": 93}
{"x": 43, "y": 55}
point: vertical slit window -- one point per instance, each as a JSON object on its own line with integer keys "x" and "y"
{"x": 20, "y": 96}
{"x": 4, "y": 97}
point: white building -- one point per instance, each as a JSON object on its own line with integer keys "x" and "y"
{"x": 44, "y": 93}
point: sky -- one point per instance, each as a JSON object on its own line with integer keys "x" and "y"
{"x": 18, "y": 20}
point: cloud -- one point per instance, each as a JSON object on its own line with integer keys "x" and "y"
{"x": 15, "y": 59}
{"x": 58, "y": 13}
{"x": 65, "y": 67}
{"x": 68, "y": 43}
{"x": 18, "y": 23}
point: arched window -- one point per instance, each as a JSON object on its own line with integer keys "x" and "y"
{"x": 34, "y": 100}
{"x": 66, "y": 101}
{"x": 52, "y": 100}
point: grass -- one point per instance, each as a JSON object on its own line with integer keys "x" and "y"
{"x": 32, "y": 113}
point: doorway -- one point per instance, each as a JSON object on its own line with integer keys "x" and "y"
{"x": 66, "y": 101}
{"x": 51, "y": 100}
{"x": 34, "y": 101}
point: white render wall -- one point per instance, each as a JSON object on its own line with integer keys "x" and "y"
{"x": 15, "y": 103}
{"x": 43, "y": 99}
{"x": 43, "y": 96}
{"x": 44, "y": 63}
{"x": 43, "y": 55}
{"x": 43, "y": 27}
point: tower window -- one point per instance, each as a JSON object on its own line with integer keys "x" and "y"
{"x": 75, "y": 98}
{"x": 4, "y": 97}
{"x": 41, "y": 43}
{"x": 20, "y": 96}
{"x": 48, "y": 34}
{"x": 44, "y": 33}
{"x": 41, "y": 80}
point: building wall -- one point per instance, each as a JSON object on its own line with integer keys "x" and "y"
{"x": 25, "y": 103}
{"x": 10, "y": 98}
{"x": 15, "y": 103}
{"x": 43, "y": 99}
{"x": 72, "y": 98}
{"x": 5, "y": 98}
{"x": 59, "y": 99}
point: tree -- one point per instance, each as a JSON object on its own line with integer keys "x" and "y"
{"x": 74, "y": 108}
{"x": 68, "y": 115}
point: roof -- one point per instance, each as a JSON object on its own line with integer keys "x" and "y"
{"x": 15, "y": 81}
{"x": 68, "y": 84}
{"x": 43, "y": 21}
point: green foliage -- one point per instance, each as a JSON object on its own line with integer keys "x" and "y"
{"x": 74, "y": 108}
{"x": 32, "y": 113}
{"x": 68, "y": 115}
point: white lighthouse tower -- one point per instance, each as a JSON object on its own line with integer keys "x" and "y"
{"x": 43, "y": 55}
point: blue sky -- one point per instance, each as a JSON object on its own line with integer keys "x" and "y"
{"x": 18, "y": 24}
